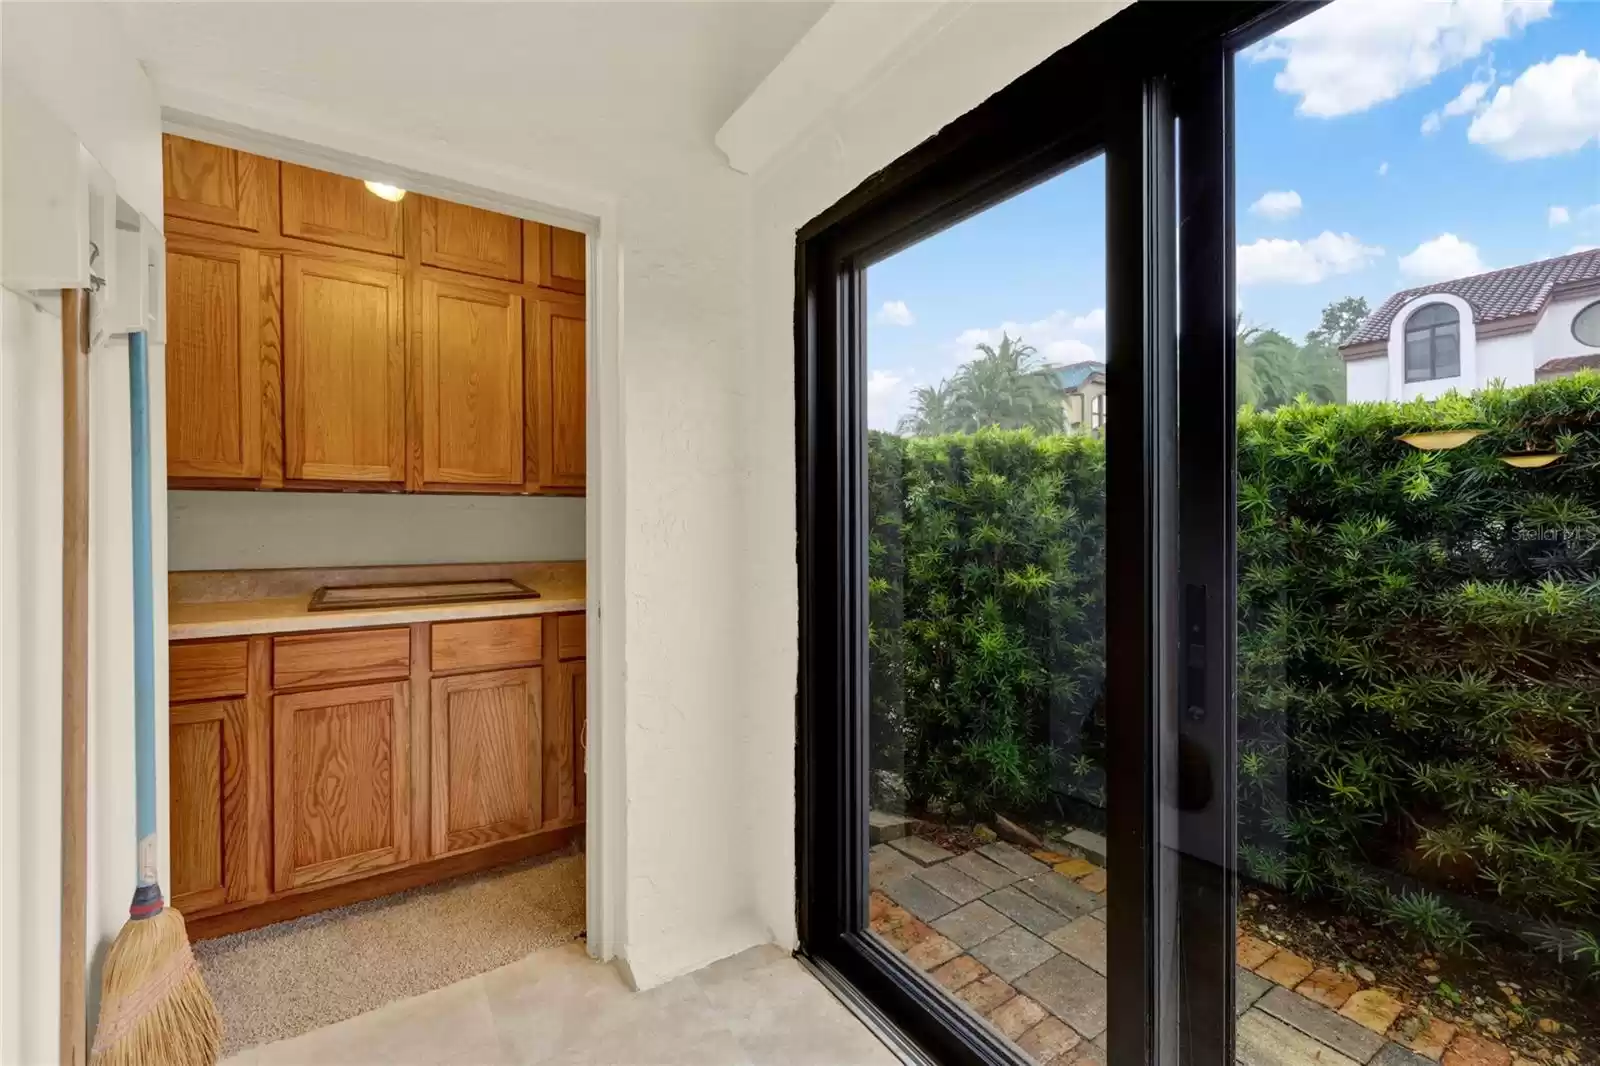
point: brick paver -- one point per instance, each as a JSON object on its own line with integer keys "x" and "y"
{"x": 1085, "y": 940}
{"x": 1284, "y": 968}
{"x": 1049, "y": 1040}
{"x": 1013, "y": 952}
{"x": 1021, "y": 939}
{"x": 1470, "y": 1049}
{"x": 1328, "y": 987}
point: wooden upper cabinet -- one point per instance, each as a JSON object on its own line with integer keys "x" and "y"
{"x": 209, "y": 183}
{"x": 472, "y": 385}
{"x": 341, "y": 782}
{"x": 560, "y": 400}
{"x": 334, "y": 209}
{"x": 562, "y": 257}
{"x": 206, "y": 758}
{"x": 214, "y": 321}
{"x": 486, "y": 765}
{"x": 470, "y": 239}
{"x": 344, "y": 372}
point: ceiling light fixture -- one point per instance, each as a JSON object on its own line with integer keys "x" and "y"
{"x": 393, "y": 193}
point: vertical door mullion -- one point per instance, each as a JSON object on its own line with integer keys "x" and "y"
{"x": 1141, "y": 571}
{"x": 1207, "y": 807}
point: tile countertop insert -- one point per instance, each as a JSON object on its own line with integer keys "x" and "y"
{"x": 228, "y": 603}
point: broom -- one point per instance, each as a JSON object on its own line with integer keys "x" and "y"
{"x": 154, "y": 1007}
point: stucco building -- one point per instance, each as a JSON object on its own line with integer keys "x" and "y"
{"x": 1517, "y": 325}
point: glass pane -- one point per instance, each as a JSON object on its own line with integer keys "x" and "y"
{"x": 1418, "y": 553}
{"x": 986, "y": 473}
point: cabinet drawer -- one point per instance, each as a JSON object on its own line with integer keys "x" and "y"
{"x": 340, "y": 658}
{"x": 570, "y": 636}
{"x": 207, "y": 671}
{"x": 491, "y": 642}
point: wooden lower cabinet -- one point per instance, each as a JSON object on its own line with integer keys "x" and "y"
{"x": 340, "y": 788}
{"x": 487, "y": 780}
{"x": 206, "y": 753}
{"x": 297, "y": 793}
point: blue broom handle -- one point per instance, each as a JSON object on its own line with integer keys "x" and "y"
{"x": 144, "y": 648}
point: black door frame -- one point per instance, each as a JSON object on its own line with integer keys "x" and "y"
{"x": 1124, "y": 90}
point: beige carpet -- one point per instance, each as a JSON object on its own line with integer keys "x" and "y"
{"x": 288, "y": 979}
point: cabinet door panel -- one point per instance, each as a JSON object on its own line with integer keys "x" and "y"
{"x": 340, "y": 782}
{"x": 214, "y": 316}
{"x": 470, "y": 239}
{"x": 563, "y": 258}
{"x": 344, "y": 372}
{"x": 334, "y": 209}
{"x": 558, "y": 347}
{"x": 209, "y": 823}
{"x": 486, "y": 758}
{"x": 471, "y": 385}
{"x": 209, "y": 183}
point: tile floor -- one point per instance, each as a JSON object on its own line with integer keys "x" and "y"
{"x": 559, "y": 1006}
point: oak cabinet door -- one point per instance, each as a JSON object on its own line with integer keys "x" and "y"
{"x": 470, "y": 239}
{"x": 340, "y": 782}
{"x": 344, "y": 372}
{"x": 576, "y": 688}
{"x": 215, "y": 315}
{"x": 486, "y": 773}
{"x": 334, "y": 209}
{"x": 209, "y": 183}
{"x": 563, "y": 260}
{"x": 472, "y": 385}
{"x": 558, "y": 348}
{"x": 208, "y": 816}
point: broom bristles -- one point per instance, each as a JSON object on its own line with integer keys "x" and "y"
{"x": 154, "y": 1007}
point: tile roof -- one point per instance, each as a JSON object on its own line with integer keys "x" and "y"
{"x": 1568, "y": 364}
{"x": 1073, "y": 375}
{"x": 1499, "y": 294}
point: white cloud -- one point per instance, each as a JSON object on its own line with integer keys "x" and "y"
{"x": 1094, "y": 321}
{"x": 1552, "y": 108}
{"x": 1277, "y": 204}
{"x": 1559, "y": 216}
{"x": 1465, "y": 102}
{"x": 887, "y": 397}
{"x": 1446, "y": 256}
{"x": 1051, "y": 335}
{"x": 1352, "y": 55}
{"x": 1383, "y": 168}
{"x": 895, "y": 313}
{"x": 1275, "y": 260}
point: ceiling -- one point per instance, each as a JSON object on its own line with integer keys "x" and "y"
{"x": 501, "y": 78}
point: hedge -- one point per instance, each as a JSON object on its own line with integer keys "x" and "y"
{"x": 1419, "y": 643}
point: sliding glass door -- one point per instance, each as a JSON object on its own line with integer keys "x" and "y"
{"x": 1174, "y": 690}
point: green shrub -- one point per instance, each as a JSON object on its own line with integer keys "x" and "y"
{"x": 1419, "y": 641}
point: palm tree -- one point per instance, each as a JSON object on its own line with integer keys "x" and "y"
{"x": 933, "y": 411}
{"x": 1006, "y": 385}
{"x": 1273, "y": 370}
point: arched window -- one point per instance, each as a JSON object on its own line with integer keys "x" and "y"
{"x": 1433, "y": 343}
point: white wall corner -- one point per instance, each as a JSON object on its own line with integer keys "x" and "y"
{"x": 852, "y": 42}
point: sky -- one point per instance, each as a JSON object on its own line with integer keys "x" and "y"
{"x": 1381, "y": 144}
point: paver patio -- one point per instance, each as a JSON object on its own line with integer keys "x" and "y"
{"x": 1020, "y": 939}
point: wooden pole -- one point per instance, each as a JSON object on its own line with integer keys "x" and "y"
{"x": 74, "y": 673}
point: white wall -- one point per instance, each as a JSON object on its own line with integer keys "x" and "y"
{"x": 73, "y": 58}
{"x": 1508, "y": 360}
{"x": 254, "y": 530}
{"x": 1366, "y": 380}
{"x": 1552, "y": 337}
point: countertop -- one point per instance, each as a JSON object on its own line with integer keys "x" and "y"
{"x": 226, "y": 603}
